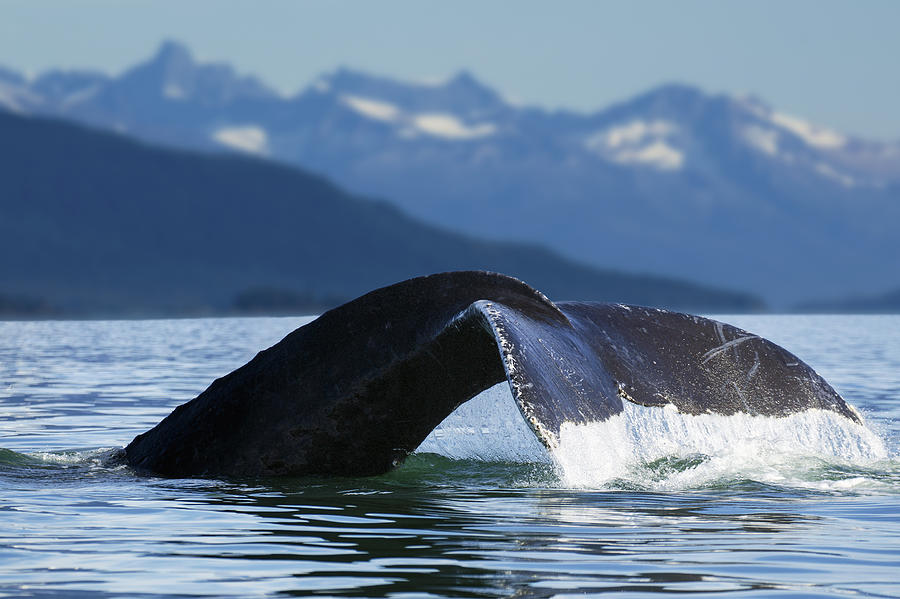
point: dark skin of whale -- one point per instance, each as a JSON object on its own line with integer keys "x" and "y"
{"x": 359, "y": 388}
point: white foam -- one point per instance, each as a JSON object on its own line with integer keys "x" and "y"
{"x": 761, "y": 448}
{"x": 72, "y": 458}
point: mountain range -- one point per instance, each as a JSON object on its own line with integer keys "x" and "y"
{"x": 719, "y": 189}
{"x": 94, "y": 222}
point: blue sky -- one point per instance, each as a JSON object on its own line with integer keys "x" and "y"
{"x": 834, "y": 63}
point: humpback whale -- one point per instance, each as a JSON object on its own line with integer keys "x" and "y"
{"x": 359, "y": 388}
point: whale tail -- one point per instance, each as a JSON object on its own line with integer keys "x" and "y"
{"x": 358, "y": 389}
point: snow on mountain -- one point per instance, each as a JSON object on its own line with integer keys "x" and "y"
{"x": 79, "y": 96}
{"x": 638, "y": 142}
{"x": 373, "y": 109}
{"x": 450, "y": 127}
{"x": 844, "y": 160}
{"x": 818, "y": 137}
{"x": 764, "y": 139}
{"x": 251, "y": 139}
{"x": 829, "y": 171}
{"x": 442, "y": 125}
{"x": 15, "y": 93}
{"x": 461, "y": 95}
{"x": 66, "y": 88}
{"x": 14, "y": 98}
{"x": 814, "y": 135}
{"x": 658, "y": 154}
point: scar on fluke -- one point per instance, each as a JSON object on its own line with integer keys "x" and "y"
{"x": 359, "y": 388}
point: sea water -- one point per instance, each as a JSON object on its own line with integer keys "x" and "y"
{"x": 649, "y": 502}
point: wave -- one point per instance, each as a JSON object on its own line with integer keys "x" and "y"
{"x": 101, "y": 458}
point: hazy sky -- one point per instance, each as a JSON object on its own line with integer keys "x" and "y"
{"x": 835, "y": 63}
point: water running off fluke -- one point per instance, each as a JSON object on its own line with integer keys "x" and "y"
{"x": 358, "y": 389}
{"x": 649, "y": 448}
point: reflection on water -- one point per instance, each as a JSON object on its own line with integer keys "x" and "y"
{"x": 74, "y": 524}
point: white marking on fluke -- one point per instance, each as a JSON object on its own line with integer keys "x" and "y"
{"x": 728, "y": 344}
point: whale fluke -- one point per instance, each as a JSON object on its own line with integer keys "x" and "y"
{"x": 359, "y": 388}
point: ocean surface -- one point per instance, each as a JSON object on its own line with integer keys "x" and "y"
{"x": 651, "y": 502}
